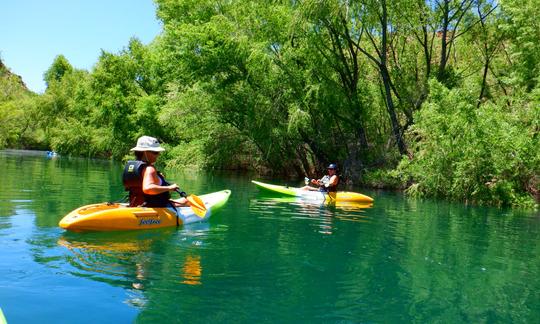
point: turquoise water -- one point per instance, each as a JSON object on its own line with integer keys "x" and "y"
{"x": 261, "y": 259}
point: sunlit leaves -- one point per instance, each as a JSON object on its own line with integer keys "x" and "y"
{"x": 477, "y": 155}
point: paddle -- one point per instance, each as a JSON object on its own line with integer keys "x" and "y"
{"x": 196, "y": 203}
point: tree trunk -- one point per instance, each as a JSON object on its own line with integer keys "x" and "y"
{"x": 396, "y": 127}
{"x": 444, "y": 43}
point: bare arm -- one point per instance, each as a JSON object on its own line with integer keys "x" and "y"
{"x": 333, "y": 181}
{"x": 151, "y": 184}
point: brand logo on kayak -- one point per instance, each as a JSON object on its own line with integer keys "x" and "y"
{"x": 149, "y": 221}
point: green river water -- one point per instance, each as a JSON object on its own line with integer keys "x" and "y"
{"x": 261, "y": 259}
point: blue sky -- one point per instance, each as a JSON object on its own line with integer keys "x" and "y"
{"x": 34, "y": 32}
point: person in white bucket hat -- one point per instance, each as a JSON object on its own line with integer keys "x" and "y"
{"x": 146, "y": 185}
{"x": 147, "y": 143}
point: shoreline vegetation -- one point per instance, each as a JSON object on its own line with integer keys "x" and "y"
{"x": 438, "y": 98}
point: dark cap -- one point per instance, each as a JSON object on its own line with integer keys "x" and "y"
{"x": 332, "y": 166}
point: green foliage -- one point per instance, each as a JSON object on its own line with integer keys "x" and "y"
{"x": 102, "y": 113}
{"x": 76, "y": 137}
{"x": 384, "y": 179}
{"x": 13, "y": 121}
{"x": 522, "y": 28}
{"x": 203, "y": 141}
{"x": 228, "y": 56}
{"x": 17, "y": 105}
{"x": 477, "y": 155}
{"x": 58, "y": 69}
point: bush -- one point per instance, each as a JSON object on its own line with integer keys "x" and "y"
{"x": 484, "y": 155}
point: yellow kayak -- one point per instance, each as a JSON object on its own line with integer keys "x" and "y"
{"x": 119, "y": 217}
{"x": 315, "y": 195}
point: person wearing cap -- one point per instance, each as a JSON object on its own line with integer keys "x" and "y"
{"x": 155, "y": 189}
{"x": 328, "y": 183}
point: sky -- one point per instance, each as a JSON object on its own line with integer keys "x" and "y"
{"x": 34, "y": 32}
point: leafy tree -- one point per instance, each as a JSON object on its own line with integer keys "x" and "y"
{"x": 522, "y": 30}
{"x": 118, "y": 86}
{"x": 480, "y": 155}
{"x": 58, "y": 69}
{"x": 17, "y": 105}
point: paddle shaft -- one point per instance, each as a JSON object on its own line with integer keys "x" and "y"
{"x": 181, "y": 193}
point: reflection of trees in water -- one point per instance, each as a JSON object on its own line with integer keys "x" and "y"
{"x": 465, "y": 264}
{"x": 52, "y": 188}
{"x": 323, "y": 213}
{"x": 7, "y": 210}
{"x": 422, "y": 260}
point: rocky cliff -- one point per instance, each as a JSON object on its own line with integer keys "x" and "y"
{"x": 11, "y": 85}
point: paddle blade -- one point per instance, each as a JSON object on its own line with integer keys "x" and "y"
{"x": 197, "y": 205}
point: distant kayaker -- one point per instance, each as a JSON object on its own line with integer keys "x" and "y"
{"x": 147, "y": 186}
{"x": 328, "y": 183}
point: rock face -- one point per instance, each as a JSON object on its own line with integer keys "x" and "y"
{"x": 11, "y": 85}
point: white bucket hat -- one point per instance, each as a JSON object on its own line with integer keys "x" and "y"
{"x": 147, "y": 143}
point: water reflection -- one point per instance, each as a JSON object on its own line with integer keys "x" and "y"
{"x": 51, "y": 188}
{"x": 323, "y": 213}
{"x": 192, "y": 270}
{"x": 138, "y": 259}
{"x": 121, "y": 259}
